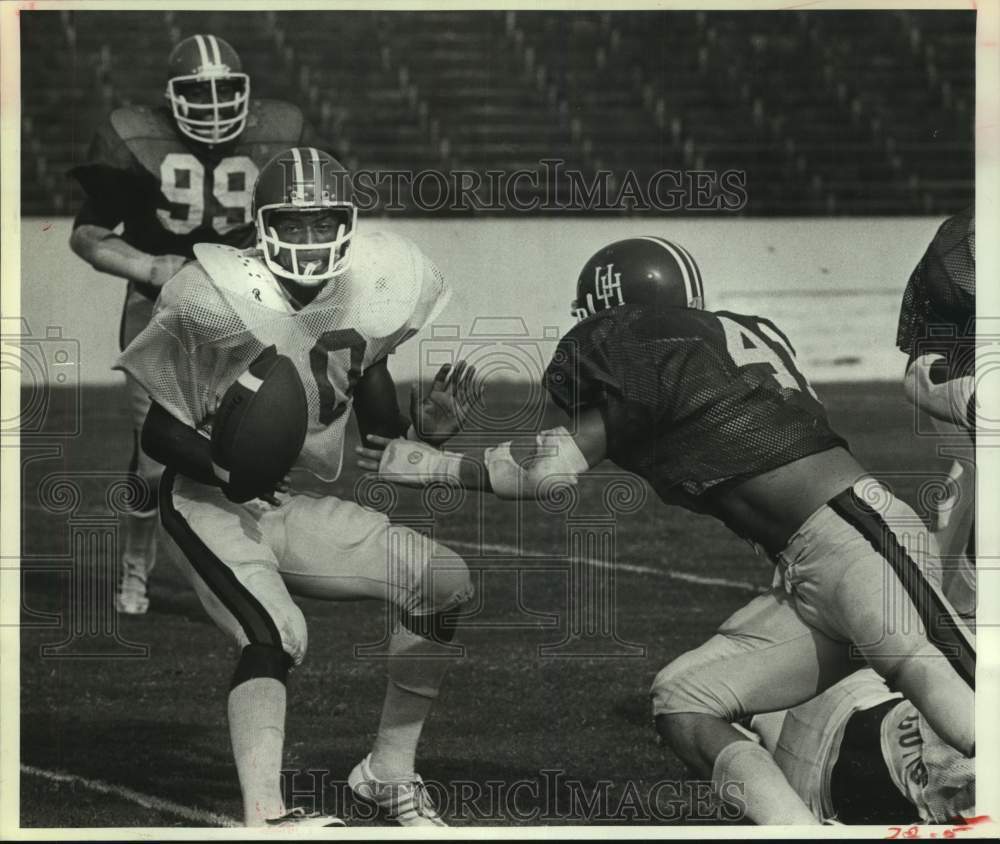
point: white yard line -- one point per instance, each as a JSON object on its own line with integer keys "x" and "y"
{"x": 202, "y": 816}
{"x": 634, "y": 568}
{"x": 147, "y": 801}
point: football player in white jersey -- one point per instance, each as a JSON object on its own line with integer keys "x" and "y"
{"x": 173, "y": 177}
{"x": 862, "y": 754}
{"x": 336, "y": 302}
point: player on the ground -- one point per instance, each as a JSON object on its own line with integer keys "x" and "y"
{"x": 937, "y": 332}
{"x": 712, "y": 410}
{"x": 336, "y": 302}
{"x": 861, "y": 754}
{"x": 173, "y": 176}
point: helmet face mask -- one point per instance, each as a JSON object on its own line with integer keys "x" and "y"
{"x": 307, "y": 262}
{"x": 304, "y": 215}
{"x": 208, "y": 92}
{"x": 638, "y": 270}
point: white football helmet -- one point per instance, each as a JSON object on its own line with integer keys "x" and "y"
{"x": 208, "y": 91}
{"x": 308, "y": 180}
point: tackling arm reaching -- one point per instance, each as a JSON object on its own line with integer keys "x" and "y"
{"x": 509, "y": 471}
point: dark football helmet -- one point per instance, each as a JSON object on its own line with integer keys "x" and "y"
{"x": 639, "y": 270}
{"x": 309, "y": 180}
{"x": 208, "y": 91}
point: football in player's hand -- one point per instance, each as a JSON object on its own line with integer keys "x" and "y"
{"x": 260, "y": 427}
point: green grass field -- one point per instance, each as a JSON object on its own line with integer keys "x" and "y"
{"x": 525, "y": 737}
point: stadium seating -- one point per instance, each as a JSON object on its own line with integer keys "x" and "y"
{"x": 845, "y": 113}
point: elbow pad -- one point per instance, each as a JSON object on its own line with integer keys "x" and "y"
{"x": 557, "y": 458}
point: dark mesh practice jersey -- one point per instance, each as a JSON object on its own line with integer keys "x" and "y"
{"x": 692, "y": 400}
{"x": 939, "y": 305}
{"x": 171, "y": 192}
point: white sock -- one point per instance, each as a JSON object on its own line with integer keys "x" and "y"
{"x": 768, "y": 796}
{"x": 257, "y": 730}
{"x": 139, "y": 551}
{"x": 395, "y": 750}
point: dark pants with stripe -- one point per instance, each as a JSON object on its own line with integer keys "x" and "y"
{"x": 858, "y": 585}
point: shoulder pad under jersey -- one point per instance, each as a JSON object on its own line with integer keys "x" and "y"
{"x": 273, "y": 122}
{"x": 240, "y": 272}
{"x": 177, "y": 289}
{"x": 386, "y": 279}
{"x": 139, "y": 122}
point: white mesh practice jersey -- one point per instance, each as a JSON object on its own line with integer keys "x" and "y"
{"x": 218, "y": 314}
{"x": 936, "y": 778}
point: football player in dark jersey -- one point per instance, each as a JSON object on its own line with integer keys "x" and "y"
{"x": 937, "y": 333}
{"x": 172, "y": 177}
{"x": 712, "y": 410}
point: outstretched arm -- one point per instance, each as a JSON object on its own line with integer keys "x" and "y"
{"x": 509, "y": 471}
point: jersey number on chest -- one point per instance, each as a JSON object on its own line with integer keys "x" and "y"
{"x": 333, "y": 402}
{"x": 758, "y": 343}
{"x": 205, "y": 199}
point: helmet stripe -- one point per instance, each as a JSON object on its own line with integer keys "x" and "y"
{"x": 699, "y": 286}
{"x": 317, "y": 175}
{"x": 690, "y": 285}
{"x": 202, "y": 50}
{"x": 300, "y": 176}
{"x": 217, "y": 56}
{"x": 679, "y": 260}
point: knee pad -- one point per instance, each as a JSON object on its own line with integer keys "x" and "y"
{"x": 435, "y": 626}
{"x": 446, "y": 584}
{"x": 261, "y": 661}
{"x": 450, "y": 589}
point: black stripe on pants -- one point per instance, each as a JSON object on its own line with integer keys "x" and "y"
{"x": 933, "y": 612}
{"x": 246, "y": 609}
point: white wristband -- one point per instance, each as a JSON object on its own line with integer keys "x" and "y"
{"x": 557, "y": 459}
{"x": 419, "y": 464}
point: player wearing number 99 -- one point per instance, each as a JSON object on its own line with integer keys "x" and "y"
{"x": 713, "y": 411}
{"x": 174, "y": 176}
{"x": 336, "y": 303}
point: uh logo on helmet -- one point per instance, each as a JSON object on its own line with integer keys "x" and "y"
{"x": 209, "y": 93}
{"x": 304, "y": 216}
{"x": 639, "y": 270}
